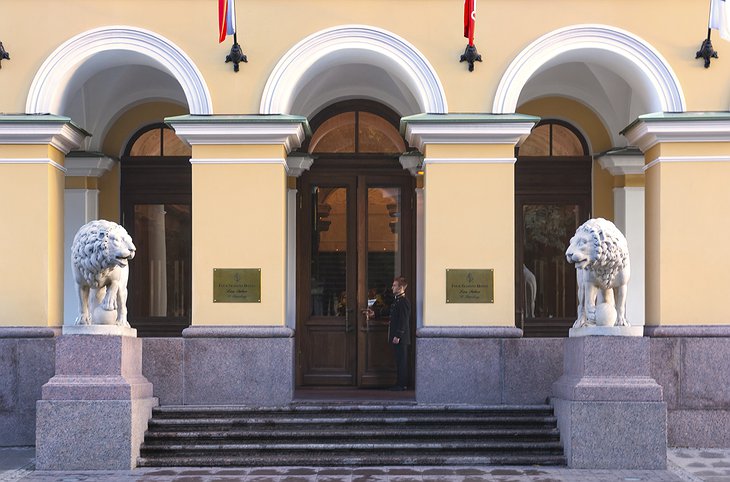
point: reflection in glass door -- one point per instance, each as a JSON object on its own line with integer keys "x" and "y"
{"x": 354, "y": 242}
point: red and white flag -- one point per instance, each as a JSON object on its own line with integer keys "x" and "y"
{"x": 226, "y": 19}
{"x": 470, "y": 15}
{"x": 720, "y": 18}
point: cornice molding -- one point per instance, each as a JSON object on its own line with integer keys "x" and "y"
{"x": 88, "y": 166}
{"x": 622, "y": 165}
{"x": 419, "y": 135}
{"x": 40, "y": 160}
{"x": 645, "y": 133}
{"x": 290, "y": 131}
{"x": 297, "y": 164}
{"x": 56, "y": 132}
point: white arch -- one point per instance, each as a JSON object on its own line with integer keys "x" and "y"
{"x": 353, "y": 43}
{"x": 646, "y": 64}
{"x": 50, "y": 82}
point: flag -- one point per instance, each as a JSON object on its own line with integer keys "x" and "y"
{"x": 470, "y": 13}
{"x": 226, "y": 19}
{"x": 720, "y": 18}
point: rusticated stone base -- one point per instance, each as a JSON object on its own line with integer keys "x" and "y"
{"x": 26, "y": 363}
{"x": 94, "y": 411}
{"x": 610, "y": 411}
{"x": 238, "y": 365}
{"x": 475, "y": 365}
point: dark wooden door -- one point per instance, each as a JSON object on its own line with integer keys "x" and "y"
{"x": 355, "y": 234}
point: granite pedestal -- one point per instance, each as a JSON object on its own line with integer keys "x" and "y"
{"x": 94, "y": 411}
{"x": 611, "y": 413}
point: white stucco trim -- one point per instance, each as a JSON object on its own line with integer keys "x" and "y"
{"x": 95, "y": 166}
{"x": 64, "y": 137}
{"x": 634, "y": 50}
{"x": 291, "y": 135}
{"x": 647, "y": 134}
{"x": 622, "y": 165}
{"x": 419, "y": 135}
{"x": 51, "y": 80}
{"x": 39, "y": 160}
{"x": 398, "y": 56}
{"x": 662, "y": 159}
{"x": 469, "y": 160}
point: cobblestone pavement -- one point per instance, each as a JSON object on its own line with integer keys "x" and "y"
{"x": 684, "y": 465}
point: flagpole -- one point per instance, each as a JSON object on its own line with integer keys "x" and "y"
{"x": 236, "y": 56}
{"x": 706, "y": 51}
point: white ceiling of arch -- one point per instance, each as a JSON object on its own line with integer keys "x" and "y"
{"x": 325, "y": 85}
{"x": 108, "y": 84}
{"x": 616, "y": 97}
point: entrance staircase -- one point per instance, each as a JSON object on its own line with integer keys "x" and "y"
{"x": 342, "y": 434}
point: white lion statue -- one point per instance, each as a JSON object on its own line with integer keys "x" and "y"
{"x": 100, "y": 254}
{"x": 601, "y": 257}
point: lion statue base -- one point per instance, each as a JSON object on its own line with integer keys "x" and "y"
{"x": 600, "y": 254}
{"x": 100, "y": 255}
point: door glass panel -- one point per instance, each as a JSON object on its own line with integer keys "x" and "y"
{"x": 163, "y": 236}
{"x": 329, "y": 251}
{"x": 335, "y": 135}
{"x": 384, "y": 226}
{"x": 550, "y": 286}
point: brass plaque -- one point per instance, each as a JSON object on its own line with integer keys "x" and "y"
{"x": 470, "y": 286}
{"x": 237, "y": 285}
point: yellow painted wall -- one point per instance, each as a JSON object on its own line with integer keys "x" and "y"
{"x": 599, "y": 140}
{"x": 468, "y": 224}
{"x": 682, "y": 204}
{"x": 239, "y": 217}
{"x": 269, "y": 28}
{"x": 32, "y": 240}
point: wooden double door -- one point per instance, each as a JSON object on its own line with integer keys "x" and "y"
{"x": 356, "y": 233}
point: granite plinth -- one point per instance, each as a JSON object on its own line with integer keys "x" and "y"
{"x": 90, "y": 434}
{"x": 95, "y": 409}
{"x": 613, "y": 435}
{"x": 692, "y": 364}
{"x": 26, "y": 363}
{"x": 471, "y": 365}
{"x": 162, "y": 365}
{"x": 238, "y": 365}
{"x": 606, "y": 331}
{"x": 611, "y": 413}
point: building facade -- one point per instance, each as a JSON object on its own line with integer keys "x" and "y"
{"x": 353, "y": 146}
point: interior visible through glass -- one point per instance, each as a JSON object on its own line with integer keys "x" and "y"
{"x": 384, "y": 226}
{"x": 329, "y": 251}
{"x": 550, "y": 286}
{"x": 162, "y": 235}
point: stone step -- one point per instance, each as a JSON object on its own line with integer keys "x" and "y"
{"x": 327, "y": 434}
{"x": 351, "y": 434}
{"x": 386, "y": 447}
{"x": 353, "y": 460}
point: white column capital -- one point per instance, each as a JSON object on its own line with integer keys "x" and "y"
{"x": 666, "y": 127}
{"x": 57, "y": 131}
{"x": 88, "y": 164}
{"x": 622, "y": 162}
{"x": 412, "y": 162}
{"x": 287, "y": 130}
{"x": 423, "y": 129}
{"x": 297, "y": 163}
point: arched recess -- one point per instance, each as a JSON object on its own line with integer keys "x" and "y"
{"x": 296, "y": 85}
{"x": 80, "y": 56}
{"x": 639, "y": 64}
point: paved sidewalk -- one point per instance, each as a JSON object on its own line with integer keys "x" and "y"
{"x": 684, "y": 465}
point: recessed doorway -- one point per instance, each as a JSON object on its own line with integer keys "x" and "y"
{"x": 356, "y": 229}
